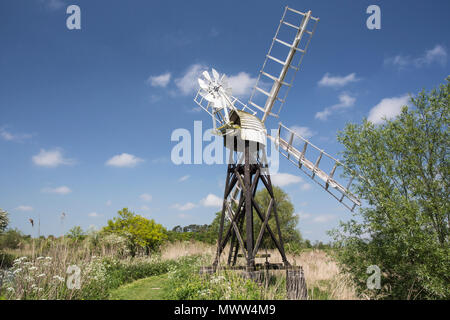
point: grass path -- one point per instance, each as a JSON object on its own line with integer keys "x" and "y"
{"x": 151, "y": 288}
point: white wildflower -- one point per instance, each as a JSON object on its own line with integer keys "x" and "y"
{"x": 61, "y": 279}
{"x": 17, "y": 271}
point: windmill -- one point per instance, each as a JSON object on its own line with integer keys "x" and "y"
{"x": 243, "y": 127}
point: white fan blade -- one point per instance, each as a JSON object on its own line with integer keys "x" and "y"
{"x": 202, "y": 84}
{"x": 215, "y": 74}
{"x": 207, "y": 76}
{"x": 224, "y": 80}
{"x": 209, "y": 97}
{"x": 224, "y": 92}
{"x": 218, "y": 103}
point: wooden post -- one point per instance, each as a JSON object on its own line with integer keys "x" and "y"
{"x": 295, "y": 284}
{"x": 248, "y": 208}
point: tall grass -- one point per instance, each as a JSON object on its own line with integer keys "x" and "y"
{"x": 323, "y": 276}
{"x": 105, "y": 265}
{"x": 43, "y": 273}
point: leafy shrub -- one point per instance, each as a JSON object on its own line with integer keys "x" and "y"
{"x": 188, "y": 284}
{"x": 11, "y": 239}
{"x": 6, "y": 260}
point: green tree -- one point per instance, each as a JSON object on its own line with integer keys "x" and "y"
{"x": 139, "y": 231}
{"x": 287, "y": 218}
{"x": 3, "y": 220}
{"x": 76, "y": 233}
{"x": 11, "y": 239}
{"x": 404, "y": 228}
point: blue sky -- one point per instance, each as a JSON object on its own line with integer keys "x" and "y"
{"x": 86, "y": 115}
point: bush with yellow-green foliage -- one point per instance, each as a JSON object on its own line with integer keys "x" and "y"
{"x": 142, "y": 234}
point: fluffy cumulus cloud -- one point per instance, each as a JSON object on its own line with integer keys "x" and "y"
{"x": 211, "y": 200}
{"x": 124, "y": 160}
{"x": 51, "y": 158}
{"x": 160, "y": 81}
{"x": 436, "y": 55}
{"x": 24, "y": 208}
{"x": 184, "y": 207}
{"x": 337, "y": 81}
{"x": 188, "y": 84}
{"x": 387, "y": 108}
{"x": 305, "y": 132}
{"x": 345, "y": 101}
{"x": 241, "y": 84}
{"x": 94, "y": 215}
{"x": 284, "y": 179}
{"x": 146, "y": 197}
{"x": 58, "y": 190}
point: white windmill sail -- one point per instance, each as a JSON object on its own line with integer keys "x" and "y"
{"x": 269, "y": 93}
{"x": 324, "y": 167}
{"x": 214, "y": 96}
{"x": 282, "y": 61}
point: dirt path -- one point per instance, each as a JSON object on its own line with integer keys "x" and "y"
{"x": 151, "y": 288}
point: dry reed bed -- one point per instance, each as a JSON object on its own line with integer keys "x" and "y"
{"x": 320, "y": 270}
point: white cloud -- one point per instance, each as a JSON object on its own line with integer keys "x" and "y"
{"x": 8, "y": 136}
{"x": 94, "y": 215}
{"x": 144, "y": 208}
{"x": 324, "y": 218}
{"x": 284, "y": 179}
{"x": 184, "y": 178}
{"x": 387, "y": 107}
{"x": 183, "y": 216}
{"x": 337, "y": 81}
{"x": 146, "y": 197}
{"x": 305, "y": 132}
{"x": 241, "y": 84}
{"x": 188, "y": 84}
{"x": 184, "y": 207}
{"x": 305, "y": 187}
{"x": 160, "y": 81}
{"x": 124, "y": 160}
{"x": 304, "y": 215}
{"x": 345, "y": 101}
{"x": 108, "y": 203}
{"x": 53, "y": 4}
{"x": 24, "y": 208}
{"x": 211, "y": 200}
{"x": 59, "y": 190}
{"x": 438, "y": 55}
{"x": 51, "y": 158}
